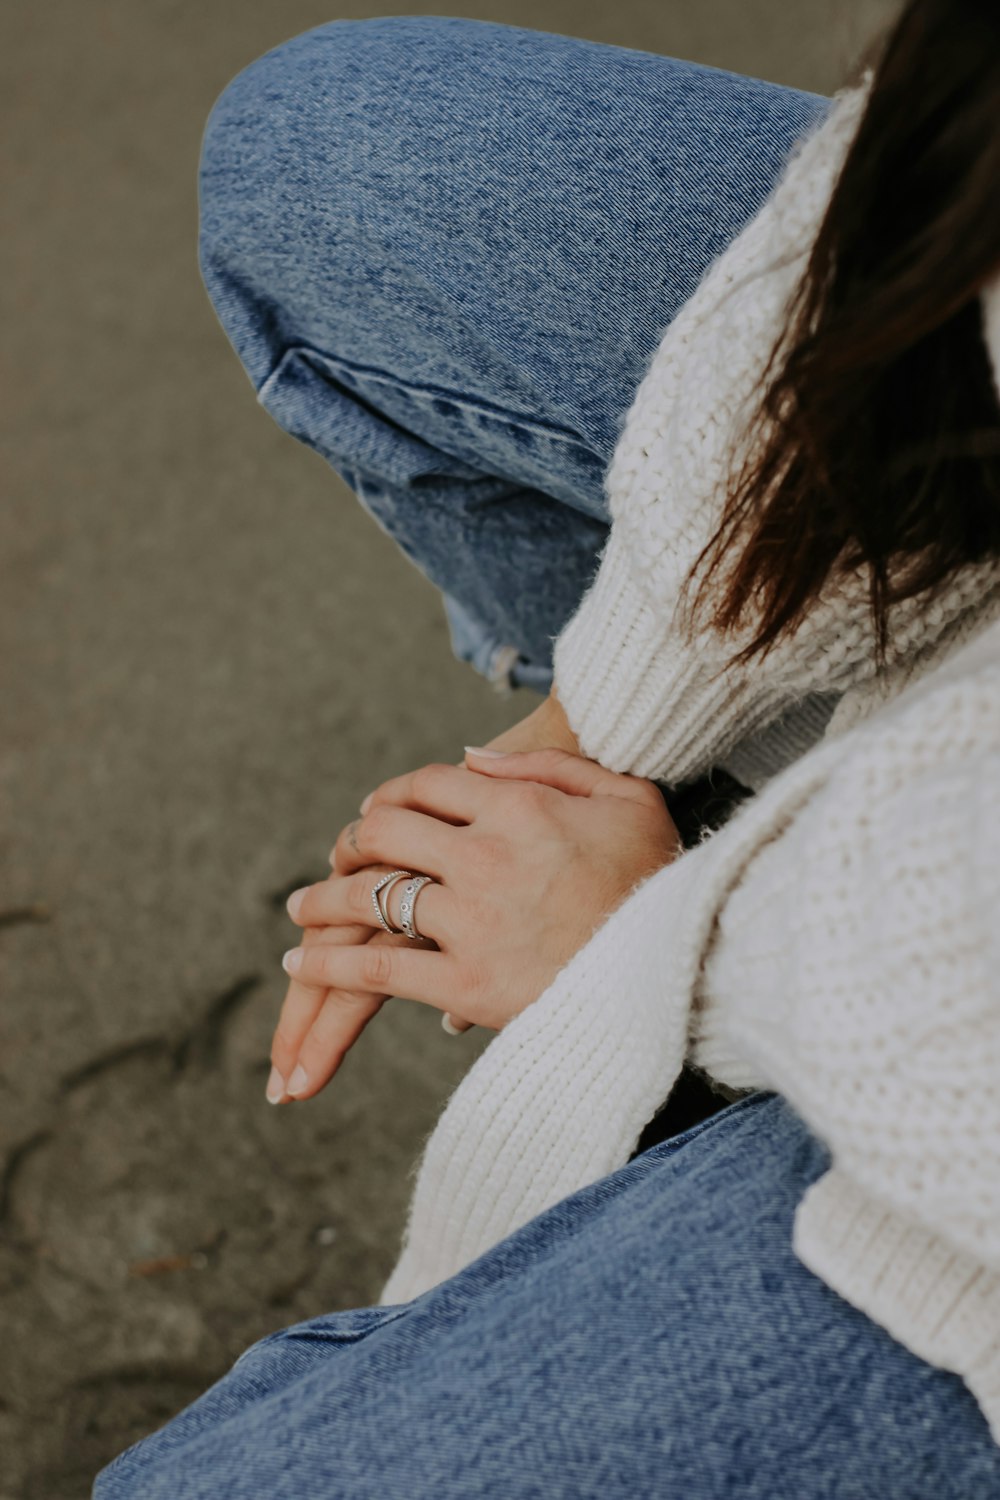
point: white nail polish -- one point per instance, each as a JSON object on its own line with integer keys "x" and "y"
{"x": 275, "y": 1087}
{"x": 294, "y": 903}
{"x": 298, "y": 1081}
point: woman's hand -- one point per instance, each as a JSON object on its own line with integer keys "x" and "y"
{"x": 318, "y": 1025}
{"x": 529, "y": 853}
{"x": 546, "y": 726}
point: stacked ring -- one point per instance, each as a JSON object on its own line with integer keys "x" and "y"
{"x": 386, "y": 882}
{"x": 409, "y": 901}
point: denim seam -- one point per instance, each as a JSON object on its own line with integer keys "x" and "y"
{"x": 302, "y": 1332}
{"x": 422, "y": 393}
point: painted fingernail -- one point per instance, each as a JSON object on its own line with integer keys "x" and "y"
{"x": 292, "y": 961}
{"x": 449, "y": 1026}
{"x": 490, "y": 754}
{"x": 366, "y": 804}
{"x": 275, "y": 1087}
{"x": 294, "y": 903}
{"x": 299, "y": 1081}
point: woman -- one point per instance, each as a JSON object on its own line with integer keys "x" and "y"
{"x": 801, "y": 585}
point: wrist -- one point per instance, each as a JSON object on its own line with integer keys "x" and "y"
{"x": 545, "y": 728}
{"x": 558, "y": 726}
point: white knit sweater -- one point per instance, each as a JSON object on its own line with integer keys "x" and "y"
{"x": 838, "y": 939}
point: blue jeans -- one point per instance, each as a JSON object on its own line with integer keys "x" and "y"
{"x": 651, "y": 1335}
{"x": 444, "y": 251}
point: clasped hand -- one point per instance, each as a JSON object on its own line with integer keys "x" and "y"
{"x": 529, "y": 853}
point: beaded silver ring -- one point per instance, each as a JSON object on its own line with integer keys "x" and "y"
{"x": 409, "y": 901}
{"x": 387, "y": 881}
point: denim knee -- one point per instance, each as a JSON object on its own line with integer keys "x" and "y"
{"x": 290, "y": 162}
{"x": 275, "y": 155}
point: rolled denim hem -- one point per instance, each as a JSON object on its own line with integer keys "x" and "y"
{"x": 498, "y": 661}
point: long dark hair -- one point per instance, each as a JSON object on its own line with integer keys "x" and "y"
{"x": 877, "y": 441}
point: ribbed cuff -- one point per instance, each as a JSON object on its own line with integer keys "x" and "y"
{"x": 638, "y": 694}
{"x": 938, "y": 1302}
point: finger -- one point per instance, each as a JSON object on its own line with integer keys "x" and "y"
{"x": 374, "y": 968}
{"x": 399, "y": 839}
{"x": 299, "y": 1009}
{"x": 450, "y": 793}
{"x": 338, "y": 1023}
{"x": 349, "y": 899}
{"x": 562, "y": 770}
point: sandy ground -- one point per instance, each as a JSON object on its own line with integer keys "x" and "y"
{"x": 202, "y": 676}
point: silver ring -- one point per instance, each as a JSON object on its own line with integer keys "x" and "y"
{"x": 410, "y": 893}
{"x": 386, "y": 881}
{"x": 382, "y": 897}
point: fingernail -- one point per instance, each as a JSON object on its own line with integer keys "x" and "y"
{"x": 299, "y": 1080}
{"x": 275, "y": 1087}
{"x": 292, "y": 961}
{"x": 294, "y": 903}
{"x": 490, "y": 754}
{"x": 448, "y": 1025}
{"x": 366, "y": 804}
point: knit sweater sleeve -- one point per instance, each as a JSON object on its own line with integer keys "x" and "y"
{"x": 560, "y": 1097}
{"x": 645, "y": 688}
{"x": 854, "y": 970}
{"x": 640, "y": 694}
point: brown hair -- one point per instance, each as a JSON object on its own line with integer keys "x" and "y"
{"x": 877, "y": 440}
